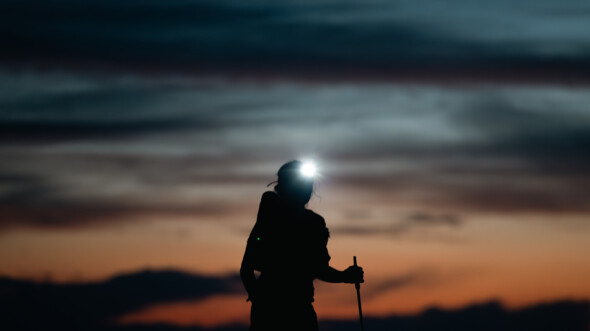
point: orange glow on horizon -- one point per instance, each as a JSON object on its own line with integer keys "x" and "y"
{"x": 518, "y": 262}
{"x": 215, "y": 311}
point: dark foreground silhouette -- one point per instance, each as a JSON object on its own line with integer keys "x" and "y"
{"x": 28, "y": 305}
{"x": 557, "y": 316}
{"x": 288, "y": 246}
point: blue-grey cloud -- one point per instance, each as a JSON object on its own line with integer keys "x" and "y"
{"x": 42, "y": 131}
{"x": 519, "y": 129}
{"x": 129, "y": 146}
{"x": 36, "y": 201}
{"x": 281, "y": 36}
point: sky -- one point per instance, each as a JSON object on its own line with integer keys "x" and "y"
{"x": 452, "y": 139}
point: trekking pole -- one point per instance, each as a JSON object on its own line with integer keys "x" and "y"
{"x": 357, "y": 285}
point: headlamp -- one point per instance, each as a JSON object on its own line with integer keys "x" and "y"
{"x": 308, "y": 169}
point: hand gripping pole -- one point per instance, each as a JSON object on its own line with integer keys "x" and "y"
{"x": 357, "y": 285}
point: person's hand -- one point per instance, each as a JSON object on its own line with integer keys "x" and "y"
{"x": 353, "y": 274}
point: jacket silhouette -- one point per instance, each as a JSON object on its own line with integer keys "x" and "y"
{"x": 288, "y": 246}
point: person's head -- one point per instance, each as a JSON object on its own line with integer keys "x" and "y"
{"x": 292, "y": 185}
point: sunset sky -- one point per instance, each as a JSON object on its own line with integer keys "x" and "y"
{"x": 452, "y": 138}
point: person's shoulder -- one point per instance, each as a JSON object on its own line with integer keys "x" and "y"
{"x": 316, "y": 218}
{"x": 319, "y": 224}
{"x": 268, "y": 200}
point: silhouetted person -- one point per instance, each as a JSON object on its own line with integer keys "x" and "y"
{"x": 288, "y": 246}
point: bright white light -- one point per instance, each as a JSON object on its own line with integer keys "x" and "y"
{"x": 308, "y": 169}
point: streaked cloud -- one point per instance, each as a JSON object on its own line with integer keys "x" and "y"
{"x": 142, "y": 133}
{"x": 425, "y": 277}
{"x": 417, "y": 221}
{"x": 319, "y": 38}
{"x": 178, "y": 141}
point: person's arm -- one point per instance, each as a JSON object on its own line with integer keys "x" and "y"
{"x": 251, "y": 259}
{"x": 247, "y": 274}
{"x": 351, "y": 275}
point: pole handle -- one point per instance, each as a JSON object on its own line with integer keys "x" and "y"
{"x": 356, "y": 285}
{"x": 358, "y": 298}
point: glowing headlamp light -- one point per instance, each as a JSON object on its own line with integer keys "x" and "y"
{"x": 308, "y": 169}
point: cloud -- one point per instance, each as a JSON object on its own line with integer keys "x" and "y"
{"x": 418, "y": 277}
{"x": 34, "y": 305}
{"x": 46, "y": 132}
{"x": 60, "y": 201}
{"x": 566, "y": 315}
{"x": 429, "y": 219}
{"x": 539, "y": 132}
{"x": 412, "y": 224}
{"x": 233, "y": 37}
{"x": 50, "y": 109}
{"x": 83, "y": 150}
{"x": 509, "y": 150}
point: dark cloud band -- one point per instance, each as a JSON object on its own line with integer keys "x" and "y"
{"x": 359, "y": 39}
{"x": 30, "y": 305}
